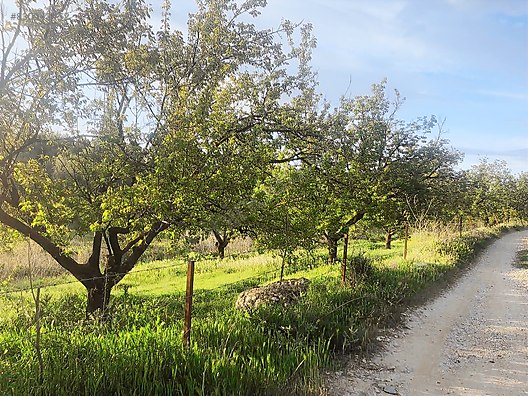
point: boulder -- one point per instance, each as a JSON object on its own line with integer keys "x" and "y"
{"x": 281, "y": 293}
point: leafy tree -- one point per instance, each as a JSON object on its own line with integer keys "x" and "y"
{"x": 369, "y": 161}
{"x": 55, "y": 59}
{"x": 227, "y": 128}
{"x": 283, "y": 218}
{"x": 518, "y": 198}
{"x": 491, "y": 186}
{"x": 175, "y": 131}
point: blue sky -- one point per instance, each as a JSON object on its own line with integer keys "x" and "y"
{"x": 462, "y": 60}
{"x": 465, "y": 60}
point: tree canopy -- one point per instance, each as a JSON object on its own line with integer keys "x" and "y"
{"x": 112, "y": 129}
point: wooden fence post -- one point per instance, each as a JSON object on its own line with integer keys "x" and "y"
{"x": 188, "y": 305}
{"x": 345, "y": 255}
{"x": 38, "y": 332}
{"x": 406, "y": 240}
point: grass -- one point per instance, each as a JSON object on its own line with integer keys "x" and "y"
{"x": 273, "y": 350}
{"x": 522, "y": 258}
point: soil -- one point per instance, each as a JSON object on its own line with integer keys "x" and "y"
{"x": 470, "y": 340}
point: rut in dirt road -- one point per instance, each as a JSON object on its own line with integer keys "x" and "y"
{"x": 472, "y": 340}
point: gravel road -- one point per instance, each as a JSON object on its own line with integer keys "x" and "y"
{"x": 472, "y": 340}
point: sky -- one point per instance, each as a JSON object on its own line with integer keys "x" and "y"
{"x": 465, "y": 61}
{"x": 462, "y": 60}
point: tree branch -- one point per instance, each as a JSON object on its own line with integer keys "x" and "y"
{"x": 45, "y": 243}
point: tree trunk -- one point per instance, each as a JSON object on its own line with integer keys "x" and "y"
{"x": 120, "y": 261}
{"x": 221, "y": 243}
{"x": 388, "y": 239}
{"x": 98, "y": 298}
{"x": 221, "y": 251}
{"x": 332, "y": 249}
{"x": 283, "y": 264}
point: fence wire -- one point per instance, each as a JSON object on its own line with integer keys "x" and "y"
{"x": 159, "y": 268}
{"x": 29, "y": 288}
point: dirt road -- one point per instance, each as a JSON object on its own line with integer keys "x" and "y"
{"x": 472, "y": 340}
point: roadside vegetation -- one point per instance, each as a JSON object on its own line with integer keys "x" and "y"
{"x": 127, "y": 150}
{"x": 522, "y": 258}
{"x": 272, "y": 350}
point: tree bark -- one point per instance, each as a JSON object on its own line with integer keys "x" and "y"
{"x": 331, "y": 243}
{"x": 221, "y": 250}
{"x": 98, "y": 298}
{"x": 388, "y": 239}
{"x": 221, "y": 243}
{"x": 119, "y": 263}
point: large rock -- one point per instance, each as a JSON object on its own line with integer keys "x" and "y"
{"x": 278, "y": 293}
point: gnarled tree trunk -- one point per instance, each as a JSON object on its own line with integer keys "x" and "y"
{"x": 222, "y": 240}
{"x": 331, "y": 243}
{"x": 98, "y": 298}
{"x": 120, "y": 261}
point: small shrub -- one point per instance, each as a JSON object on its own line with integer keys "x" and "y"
{"x": 522, "y": 259}
{"x": 359, "y": 267}
{"x": 463, "y": 248}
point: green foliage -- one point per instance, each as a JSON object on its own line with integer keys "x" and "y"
{"x": 492, "y": 190}
{"x": 522, "y": 258}
{"x": 161, "y": 130}
{"x": 218, "y": 128}
{"x": 359, "y": 267}
{"x": 272, "y": 350}
{"x": 283, "y": 218}
{"x": 463, "y": 248}
{"x": 8, "y": 238}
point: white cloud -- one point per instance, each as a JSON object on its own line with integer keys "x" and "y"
{"x": 507, "y": 7}
{"x": 505, "y": 94}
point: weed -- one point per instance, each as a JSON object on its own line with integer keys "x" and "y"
{"x": 273, "y": 350}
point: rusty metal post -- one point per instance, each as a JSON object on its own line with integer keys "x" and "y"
{"x": 188, "y": 305}
{"x": 345, "y": 256}
{"x": 406, "y": 240}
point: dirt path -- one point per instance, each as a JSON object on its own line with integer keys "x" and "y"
{"x": 472, "y": 340}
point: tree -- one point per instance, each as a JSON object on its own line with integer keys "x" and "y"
{"x": 519, "y": 201}
{"x": 491, "y": 186}
{"x": 226, "y": 115}
{"x": 149, "y": 131}
{"x": 55, "y": 59}
{"x": 283, "y": 218}
{"x": 369, "y": 161}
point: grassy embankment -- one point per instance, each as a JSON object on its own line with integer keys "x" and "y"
{"x": 274, "y": 350}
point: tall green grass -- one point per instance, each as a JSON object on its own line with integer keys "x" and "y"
{"x": 272, "y": 350}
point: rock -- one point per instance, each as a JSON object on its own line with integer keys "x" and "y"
{"x": 391, "y": 390}
{"x": 282, "y": 293}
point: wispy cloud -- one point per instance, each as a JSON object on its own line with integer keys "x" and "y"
{"x": 504, "y": 94}
{"x": 521, "y": 153}
{"x": 507, "y": 7}
{"x": 466, "y": 60}
{"x": 517, "y": 160}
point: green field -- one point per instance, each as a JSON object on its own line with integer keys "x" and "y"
{"x": 273, "y": 350}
